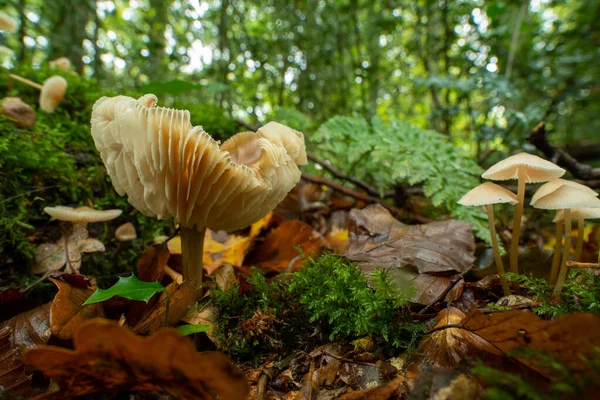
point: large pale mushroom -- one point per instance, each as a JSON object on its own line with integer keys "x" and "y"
{"x": 487, "y": 194}
{"x": 566, "y": 198}
{"x": 52, "y": 92}
{"x": 526, "y": 168}
{"x": 168, "y": 168}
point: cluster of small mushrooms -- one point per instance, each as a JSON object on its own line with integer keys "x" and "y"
{"x": 168, "y": 168}
{"x": 571, "y": 200}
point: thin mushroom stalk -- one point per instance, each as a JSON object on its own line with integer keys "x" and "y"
{"x": 23, "y": 80}
{"x": 514, "y": 243}
{"x": 579, "y": 246}
{"x": 192, "y": 246}
{"x": 490, "y": 212}
{"x": 557, "y": 252}
{"x": 562, "y": 274}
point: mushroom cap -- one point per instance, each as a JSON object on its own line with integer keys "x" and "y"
{"x": 488, "y": 193}
{"x": 555, "y": 184}
{"x": 62, "y": 63}
{"x": 53, "y": 92}
{"x": 81, "y": 214}
{"x": 576, "y": 213}
{"x": 7, "y": 23}
{"x": 567, "y": 197}
{"x": 20, "y": 111}
{"x": 5, "y": 52}
{"x": 125, "y": 232}
{"x": 536, "y": 169}
{"x": 170, "y": 169}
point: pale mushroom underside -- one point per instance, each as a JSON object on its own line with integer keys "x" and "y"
{"x": 170, "y": 169}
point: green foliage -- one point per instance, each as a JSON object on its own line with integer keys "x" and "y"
{"x": 567, "y": 383}
{"x": 388, "y": 153}
{"x": 580, "y": 293}
{"x": 339, "y": 297}
{"x": 211, "y": 118}
{"x": 128, "y": 287}
{"x": 191, "y": 329}
{"x": 293, "y": 118}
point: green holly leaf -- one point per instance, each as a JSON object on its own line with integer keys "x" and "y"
{"x": 189, "y": 329}
{"x": 130, "y": 288}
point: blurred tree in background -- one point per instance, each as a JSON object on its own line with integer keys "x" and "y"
{"x": 482, "y": 72}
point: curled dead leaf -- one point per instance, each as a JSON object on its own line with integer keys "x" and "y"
{"x": 108, "y": 357}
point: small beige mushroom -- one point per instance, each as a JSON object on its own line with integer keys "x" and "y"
{"x": 18, "y": 110}
{"x": 526, "y": 168}
{"x": 125, "y": 232}
{"x": 5, "y": 53}
{"x": 52, "y": 92}
{"x": 566, "y": 198}
{"x": 7, "y": 23}
{"x": 487, "y": 194}
{"x": 81, "y": 215}
{"x": 62, "y": 63}
{"x": 168, "y": 168}
{"x": 579, "y": 215}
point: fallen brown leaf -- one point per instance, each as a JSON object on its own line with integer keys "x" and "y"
{"x": 567, "y": 338}
{"x": 68, "y": 312}
{"x": 377, "y": 239}
{"x": 23, "y": 331}
{"x": 278, "y": 252}
{"x": 310, "y": 388}
{"x": 108, "y": 357}
{"x": 151, "y": 265}
{"x": 383, "y": 392}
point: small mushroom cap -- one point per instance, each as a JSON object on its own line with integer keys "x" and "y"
{"x": 536, "y": 169}
{"x": 53, "y": 92}
{"x": 7, "y": 23}
{"x": 125, "y": 232}
{"x": 20, "y": 111}
{"x": 5, "y": 52}
{"x": 555, "y": 184}
{"x": 81, "y": 214}
{"x": 576, "y": 213}
{"x": 171, "y": 169}
{"x": 488, "y": 193}
{"x": 62, "y": 63}
{"x": 567, "y": 197}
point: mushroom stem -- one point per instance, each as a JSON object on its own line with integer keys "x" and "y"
{"x": 490, "y": 212}
{"x": 192, "y": 245}
{"x": 579, "y": 247}
{"x": 514, "y": 243}
{"x": 25, "y": 81}
{"x": 562, "y": 274}
{"x": 557, "y": 251}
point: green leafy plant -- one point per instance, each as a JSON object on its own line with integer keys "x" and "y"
{"x": 386, "y": 153}
{"x": 191, "y": 329}
{"x": 128, "y": 287}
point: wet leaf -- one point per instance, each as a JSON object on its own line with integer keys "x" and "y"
{"x": 67, "y": 250}
{"x": 24, "y": 331}
{"x": 108, "y": 357}
{"x": 130, "y": 288}
{"x": 68, "y": 310}
{"x": 180, "y": 300}
{"x": 279, "y": 250}
{"x": 567, "y": 338}
{"x": 376, "y": 239}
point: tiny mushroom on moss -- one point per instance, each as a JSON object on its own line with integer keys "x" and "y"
{"x": 62, "y": 63}
{"x": 18, "y": 110}
{"x": 52, "y": 92}
{"x": 526, "y": 168}
{"x": 168, "y": 168}
{"x": 487, "y": 194}
{"x": 126, "y": 232}
{"x": 566, "y": 198}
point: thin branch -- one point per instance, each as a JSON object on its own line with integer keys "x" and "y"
{"x": 340, "y": 175}
{"x": 559, "y": 156}
{"x": 364, "y": 197}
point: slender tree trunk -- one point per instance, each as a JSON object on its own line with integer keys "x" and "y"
{"x": 22, "y": 30}
{"x": 158, "y": 25}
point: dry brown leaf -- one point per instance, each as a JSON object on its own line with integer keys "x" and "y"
{"x": 428, "y": 287}
{"x": 278, "y": 252}
{"x": 182, "y": 299}
{"x": 567, "y": 338}
{"x": 23, "y": 331}
{"x": 337, "y": 239}
{"x": 151, "y": 265}
{"x": 310, "y": 387}
{"x": 67, "y": 250}
{"x": 108, "y": 357}
{"x": 446, "y": 348}
{"x": 383, "y": 392}
{"x": 377, "y": 239}
{"x": 68, "y": 312}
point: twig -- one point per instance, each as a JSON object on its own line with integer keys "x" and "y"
{"x": 442, "y": 295}
{"x": 364, "y": 197}
{"x": 578, "y": 170}
{"x": 575, "y": 264}
{"x": 246, "y": 125}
